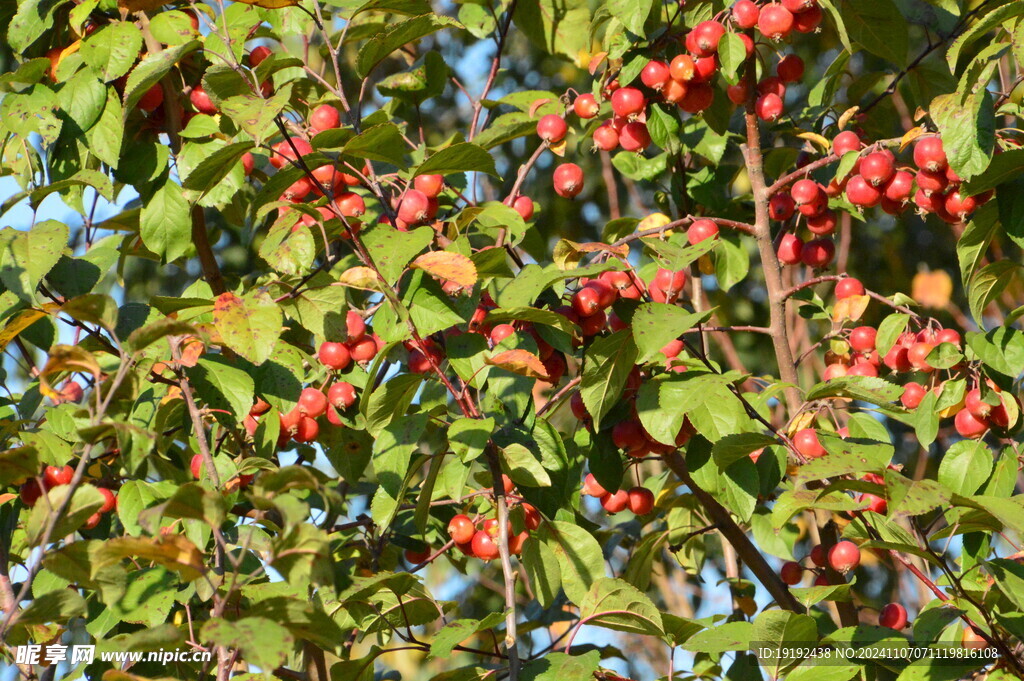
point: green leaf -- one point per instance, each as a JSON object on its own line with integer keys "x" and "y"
{"x": 215, "y": 167}
{"x": 250, "y": 326}
{"x": 389, "y": 401}
{"x": 878, "y": 27}
{"x": 639, "y": 168}
{"x": 113, "y": 49}
{"x": 94, "y": 308}
{"x": 53, "y": 607}
{"x": 562, "y": 667}
{"x": 606, "y": 365}
{"x": 165, "y": 223}
{"x": 1010, "y": 578}
{"x": 889, "y": 332}
{"x": 542, "y": 568}
{"x": 261, "y": 642}
{"x": 578, "y": 554}
{"x": 468, "y": 437}
{"x": 86, "y": 501}
{"x": 1011, "y": 209}
{"x": 664, "y": 128}
{"x": 151, "y": 69}
{"x": 655, "y": 324}
{"x": 974, "y": 242}
{"x": 1000, "y": 349}
{"x": 965, "y": 466}
{"x": 1004, "y": 167}
{"x": 618, "y": 605}
{"x": 704, "y": 398}
{"x": 83, "y": 98}
{"x": 738, "y": 446}
{"x": 864, "y": 388}
{"x": 395, "y": 36}
{"x": 221, "y": 385}
{"x": 967, "y": 129}
{"x": 632, "y": 14}
{"x": 458, "y": 158}
{"x": 27, "y": 256}
{"x": 106, "y": 135}
{"x": 454, "y": 633}
{"x": 560, "y": 27}
{"x": 523, "y": 467}
{"x": 392, "y": 250}
{"x": 780, "y": 630}
{"x": 988, "y": 284}
{"x": 846, "y": 457}
{"x": 977, "y": 29}
{"x": 506, "y": 128}
{"x": 731, "y": 54}
{"x": 723, "y": 638}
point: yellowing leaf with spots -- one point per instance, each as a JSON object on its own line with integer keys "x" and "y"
{"x": 361, "y": 278}
{"x": 453, "y": 267}
{"x": 174, "y": 552}
{"x": 66, "y": 358}
{"x": 851, "y": 308}
{"x": 520, "y": 362}
{"x": 271, "y": 4}
{"x": 250, "y": 326}
{"x": 22, "y": 321}
{"x": 932, "y": 289}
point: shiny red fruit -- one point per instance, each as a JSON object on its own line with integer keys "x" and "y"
{"x": 849, "y": 287}
{"x": 806, "y": 442}
{"x": 461, "y": 529}
{"x": 893, "y": 616}
{"x": 568, "y": 180}
{"x": 334, "y": 355}
{"x": 844, "y": 556}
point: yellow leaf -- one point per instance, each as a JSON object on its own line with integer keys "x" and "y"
{"x": 802, "y": 421}
{"x": 910, "y": 135}
{"x": 706, "y": 264}
{"x": 538, "y": 103}
{"x": 653, "y": 221}
{"x": 558, "y": 149}
{"x": 22, "y": 321}
{"x": 174, "y": 552}
{"x": 453, "y": 267}
{"x": 932, "y": 289}
{"x": 360, "y": 277}
{"x": 66, "y": 358}
{"x": 271, "y": 4}
{"x": 851, "y": 308}
{"x": 817, "y": 139}
{"x": 847, "y": 115}
{"x": 520, "y": 362}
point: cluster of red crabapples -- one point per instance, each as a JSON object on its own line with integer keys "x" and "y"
{"x": 480, "y": 539}
{"x": 687, "y": 81}
{"x": 843, "y": 557}
{"x": 56, "y": 476}
{"x": 639, "y": 500}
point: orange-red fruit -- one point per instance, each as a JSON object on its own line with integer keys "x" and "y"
{"x": 682, "y": 68}
{"x": 634, "y": 136}
{"x": 862, "y": 338}
{"x": 586, "y": 106}
{"x": 972, "y": 639}
{"x": 430, "y": 185}
{"x": 307, "y": 430}
{"x": 153, "y": 98}
{"x": 790, "y": 68}
{"x": 862, "y": 193}
{"x": 615, "y": 502}
{"x": 913, "y": 393}
{"x": 201, "y": 101}
{"x": 929, "y": 155}
{"x": 628, "y": 435}
{"x": 845, "y": 142}
{"x": 341, "y": 395}
{"x": 414, "y": 208}
{"x": 568, "y": 180}
{"x": 334, "y": 355}
{"x": 768, "y": 107}
{"x": 283, "y": 153}
{"x": 655, "y": 75}
{"x": 592, "y": 488}
{"x": 806, "y": 442}
{"x": 524, "y": 206}
{"x": 628, "y": 101}
{"x": 893, "y": 616}
{"x": 484, "y": 546}
{"x": 461, "y": 529}
{"x": 844, "y": 556}
{"x": 969, "y": 426}
{"x": 30, "y": 491}
{"x": 877, "y": 168}
{"x": 552, "y": 128}
{"x": 55, "y": 476}
{"x": 414, "y": 557}
{"x": 775, "y": 21}
{"x": 324, "y": 117}
{"x": 703, "y": 39}
{"x": 640, "y": 501}
{"x": 875, "y": 504}
{"x": 781, "y": 206}
{"x": 917, "y": 355}
{"x": 312, "y": 403}
{"x": 818, "y": 253}
{"x": 196, "y": 466}
{"x": 745, "y": 14}
{"x": 791, "y": 573}
{"x": 701, "y": 230}
{"x": 109, "y": 500}
{"x": 849, "y": 287}
{"x": 790, "y": 248}
{"x": 531, "y": 516}
{"x": 257, "y": 55}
